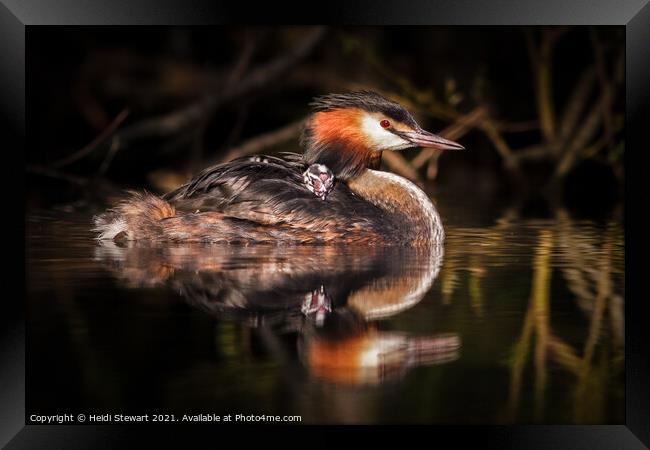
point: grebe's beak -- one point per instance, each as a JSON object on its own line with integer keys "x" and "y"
{"x": 422, "y": 138}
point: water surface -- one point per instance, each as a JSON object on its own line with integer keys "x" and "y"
{"x": 516, "y": 321}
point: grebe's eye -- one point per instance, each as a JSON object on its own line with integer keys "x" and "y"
{"x": 384, "y": 123}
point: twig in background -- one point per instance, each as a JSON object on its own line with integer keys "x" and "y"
{"x": 541, "y": 57}
{"x": 605, "y": 86}
{"x": 171, "y": 123}
{"x": 426, "y": 99}
{"x": 236, "y": 73}
{"x": 517, "y": 127}
{"x": 264, "y": 141}
{"x": 580, "y": 141}
{"x": 411, "y": 93}
{"x": 534, "y": 152}
{"x": 400, "y": 165}
{"x": 543, "y": 77}
{"x": 453, "y": 132}
{"x": 320, "y": 77}
{"x": 592, "y": 150}
{"x": 108, "y": 159}
{"x": 57, "y": 175}
{"x": 432, "y": 167}
{"x": 237, "y": 128}
{"x": 589, "y": 128}
{"x": 575, "y": 105}
{"x": 94, "y": 144}
{"x": 243, "y": 62}
{"x": 87, "y": 104}
{"x": 491, "y": 131}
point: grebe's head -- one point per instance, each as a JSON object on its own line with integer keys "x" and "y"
{"x": 348, "y": 132}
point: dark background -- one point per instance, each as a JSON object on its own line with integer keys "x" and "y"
{"x": 90, "y": 87}
{"x": 549, "y": 12}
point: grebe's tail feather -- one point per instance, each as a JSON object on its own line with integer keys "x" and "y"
{"x": 146, "y": 217}
{"x": 137, "y": 215}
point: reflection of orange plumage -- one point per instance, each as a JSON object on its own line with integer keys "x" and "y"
{"x": 372, "y": 357}
{"x": 338, "y": 360}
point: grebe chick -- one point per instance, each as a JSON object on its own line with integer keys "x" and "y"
{"x": 317, "y": 304}
{"x": 319, "y": 179}
{"x": 268, "y": 199}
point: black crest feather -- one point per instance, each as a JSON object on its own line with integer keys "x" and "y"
{"x": 367, "y": 100}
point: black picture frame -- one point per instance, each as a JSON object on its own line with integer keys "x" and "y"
{"x": 16, "y": 16}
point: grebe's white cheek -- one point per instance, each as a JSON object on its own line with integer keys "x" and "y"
{"x": 379, "y": 137}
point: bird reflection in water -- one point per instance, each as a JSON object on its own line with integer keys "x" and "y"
{"x": 349, "y": 350}
{"x": 331, "y": 297}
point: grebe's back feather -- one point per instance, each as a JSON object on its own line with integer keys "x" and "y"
{"x": 272, "y": 192}
{"x": 261, "y": 200}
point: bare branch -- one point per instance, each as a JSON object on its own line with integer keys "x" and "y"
{"x": 502, "y": 147}
{"x": 243, "y": 62}
{"x": 606, "y": 86}
{"x": 453, "y": 131}
{"x": 400, "y": 165}
{"x": 108, "y": 159}
{"x": 534, "y": 152}
{"x": 266, "y": 140}
{"x": 587, "y": 131}
{"x": 175, "y": 121}
{"x": 544, "y": 85}
{"x": 576, "y": 103}
{"x": 89, "y": 148}
{"x": 432, "y": 168}
{"x": 57, "y": 175}
{"x": 584, "y": 135}
{"x": 517, "y": 127}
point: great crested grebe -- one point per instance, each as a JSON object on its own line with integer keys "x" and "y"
{"x": 279, "y": 199}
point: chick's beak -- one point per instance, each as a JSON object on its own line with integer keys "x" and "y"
{"x": 422, "y": 138}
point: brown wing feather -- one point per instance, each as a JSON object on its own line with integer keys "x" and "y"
{"x": 270, "y": 192}
{"x": 245, "y": 201}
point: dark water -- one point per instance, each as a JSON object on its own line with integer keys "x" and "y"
{"x": 517, "y": 321}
